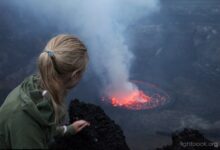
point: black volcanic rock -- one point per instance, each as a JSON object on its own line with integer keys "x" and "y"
{"x": 190, "y": 139}
{"x": 102, "y": 134}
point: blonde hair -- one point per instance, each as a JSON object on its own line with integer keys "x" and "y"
{"x": 69, "y": 59}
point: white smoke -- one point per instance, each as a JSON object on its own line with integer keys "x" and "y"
{"x": 101, "y": 24}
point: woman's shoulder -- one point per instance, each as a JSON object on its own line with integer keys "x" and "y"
{"x": 11, "y": 101}
{"x": 15, "y": 99}
{"x": 16, "y": 92}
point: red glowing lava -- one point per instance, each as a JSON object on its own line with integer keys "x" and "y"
{"x": 147, "y": 96}
{"x": 133, "y": 97}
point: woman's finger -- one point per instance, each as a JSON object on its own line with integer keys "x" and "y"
{"x": 83, "y": 126}
{"x": 82, "y": 122}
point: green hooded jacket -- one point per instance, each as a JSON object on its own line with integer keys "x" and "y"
{"x": 27, "y": 118}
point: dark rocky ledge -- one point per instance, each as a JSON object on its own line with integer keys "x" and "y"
{"x": 190, "y": 139}
{"x": 102, "y": 134}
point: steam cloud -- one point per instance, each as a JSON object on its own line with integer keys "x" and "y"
{"x": 101, "y": 24}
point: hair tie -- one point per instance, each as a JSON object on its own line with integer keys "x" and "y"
{"x": 49, "y": 52}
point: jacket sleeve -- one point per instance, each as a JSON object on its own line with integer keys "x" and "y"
{"x": 25, "y": 133}
{"x": 61, "y": 129}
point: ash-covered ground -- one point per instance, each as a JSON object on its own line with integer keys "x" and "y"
{"x": 176, "y": 48}
{"x": 102, "y": 134}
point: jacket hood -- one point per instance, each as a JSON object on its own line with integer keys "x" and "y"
{"x": 34, "y": 104}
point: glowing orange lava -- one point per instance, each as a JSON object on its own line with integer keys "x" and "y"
{"x": 132, "y": 99}
{"x": 147, "y": 96}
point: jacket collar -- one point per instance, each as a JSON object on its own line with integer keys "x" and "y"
{"x": 34, "y": 104}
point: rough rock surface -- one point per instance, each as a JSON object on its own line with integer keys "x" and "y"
{"x": 103, "y": 133}
{"x": 190, "y": 139}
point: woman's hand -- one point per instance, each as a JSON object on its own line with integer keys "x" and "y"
{"x": 79, "y": 125}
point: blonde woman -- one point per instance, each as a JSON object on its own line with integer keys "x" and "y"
{"x": 31, "y": 114}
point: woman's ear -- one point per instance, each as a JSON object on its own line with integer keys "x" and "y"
{"x": 71, "y": 80}
{"x": 78, "y": 75}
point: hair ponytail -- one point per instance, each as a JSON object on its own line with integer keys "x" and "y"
{"x": 50, "y": 82}
{"x": 69, "y": 56}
